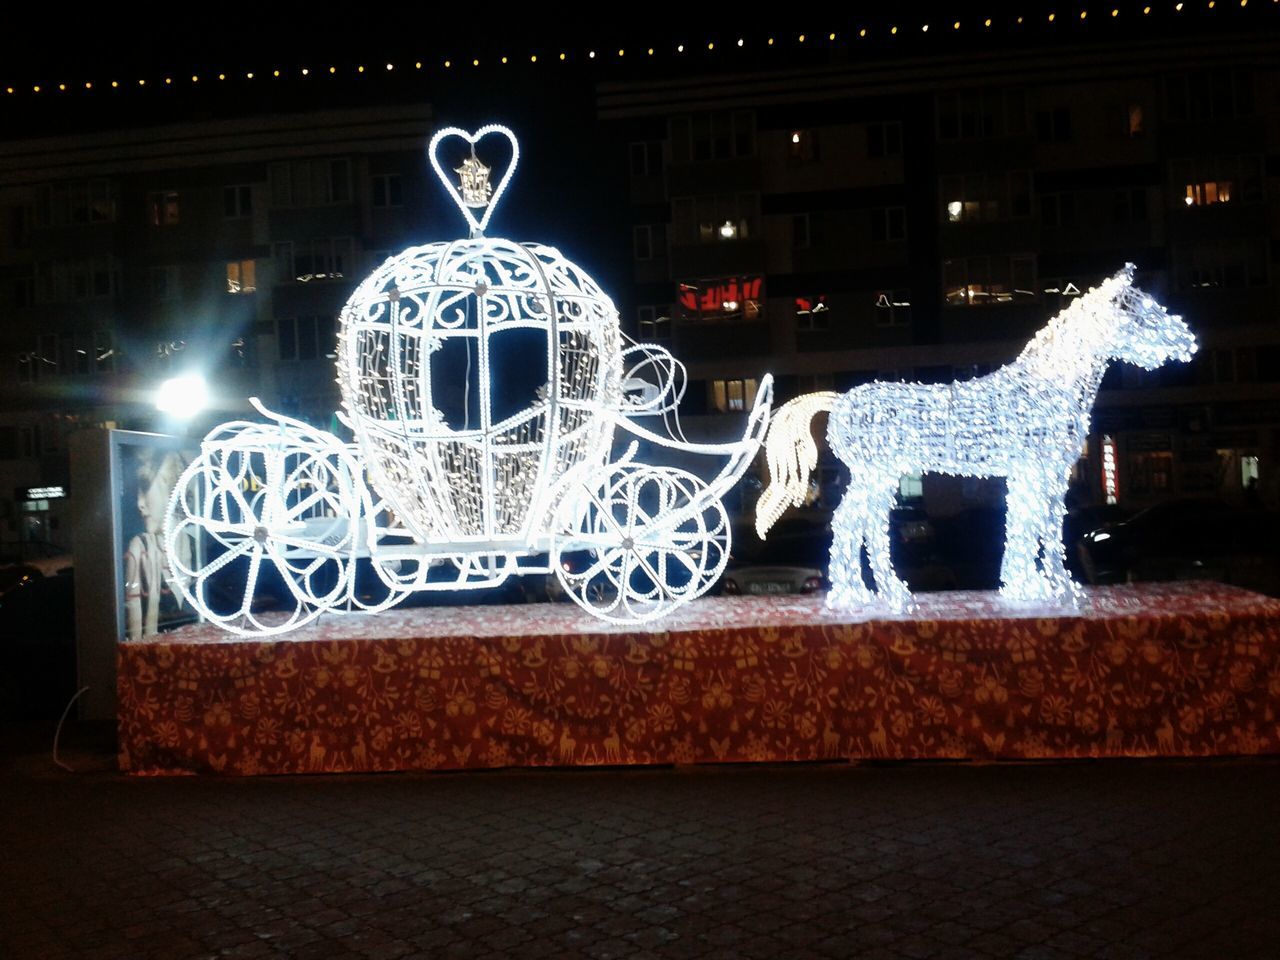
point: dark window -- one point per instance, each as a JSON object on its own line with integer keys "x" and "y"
{"x": 884, "y": 139}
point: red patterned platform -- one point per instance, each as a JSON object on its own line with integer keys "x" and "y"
{"x": 1186, "y": 669}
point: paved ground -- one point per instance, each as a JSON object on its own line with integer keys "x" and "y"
{"x": 1097, "y": 860}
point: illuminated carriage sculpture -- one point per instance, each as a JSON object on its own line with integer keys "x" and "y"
{"x": 448, "y": 485}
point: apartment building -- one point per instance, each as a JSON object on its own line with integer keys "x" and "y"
{"x": 226, "y": 246}
{"x": 920, "y": 218}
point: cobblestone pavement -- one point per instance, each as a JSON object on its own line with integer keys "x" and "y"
{"x": 1101, "y": 860}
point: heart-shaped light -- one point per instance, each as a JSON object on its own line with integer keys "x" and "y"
{"x": 433, "y": 151}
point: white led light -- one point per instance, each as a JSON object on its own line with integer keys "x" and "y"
{"x": 446, "y": 487}
{"x": 1026, "y": 421}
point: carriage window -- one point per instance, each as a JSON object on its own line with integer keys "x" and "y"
{"x": 732, "y": 396}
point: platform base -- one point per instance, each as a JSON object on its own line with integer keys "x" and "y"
{"x": 1186, "y": 669}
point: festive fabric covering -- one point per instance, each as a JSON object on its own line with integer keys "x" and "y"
{"x": 1186, "y": 669}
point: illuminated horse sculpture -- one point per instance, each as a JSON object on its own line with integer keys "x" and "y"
{"x": 1026, "y": 421}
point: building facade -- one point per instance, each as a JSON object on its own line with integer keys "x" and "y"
{"x": 921, "y": 218}
{"x": 225, "y": 247}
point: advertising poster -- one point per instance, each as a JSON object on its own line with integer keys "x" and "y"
{"x": 145, "y": 469}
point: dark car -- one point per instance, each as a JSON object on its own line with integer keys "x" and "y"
{"x": 1186, "y": 539}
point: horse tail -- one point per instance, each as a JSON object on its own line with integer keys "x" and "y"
{"x": 792, "y": 456}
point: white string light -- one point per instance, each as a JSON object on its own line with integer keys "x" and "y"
{"x": 1026, "y": 422}
{"x": 479, "y": 494}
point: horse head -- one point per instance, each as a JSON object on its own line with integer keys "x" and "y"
{"x": 1145, "y": 333}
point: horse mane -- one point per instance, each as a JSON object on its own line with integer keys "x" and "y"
{"x": 1066, "y": 335}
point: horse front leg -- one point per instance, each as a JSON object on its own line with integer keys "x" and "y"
{"x": 1024, "y": 532}
{"x": 1053, "y": 557}
{"x": 848, "y": 525}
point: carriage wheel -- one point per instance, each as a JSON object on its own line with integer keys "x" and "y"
{"x": 638, "y": 541}
{"x": 261, "y": 537}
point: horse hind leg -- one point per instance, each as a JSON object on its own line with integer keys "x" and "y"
{"x": 849, "y": 526}
{"x": 892, "y": 589}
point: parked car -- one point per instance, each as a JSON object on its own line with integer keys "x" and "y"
{"x": 1187, "y": 539}
{"x": 1084, "y": 520}
{"x": 792, "y": 559}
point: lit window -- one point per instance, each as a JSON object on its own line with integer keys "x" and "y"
{"x": 1133, "y": 116}
{"x": 732, "y": 396}
{"x": 163, "y": 208}
{"x": 980, "y": 281}
{"x": 242, "y": 276}
{"x": 803, "y": 145}
{"x": 714, "y": 219}
{"x": 731, "y": 299}
{"x": 986, "y": 197}
{"x": 1207, "y": 193}
{"x": 812, "y": 313}
{"x": 893, "y": 308}
{"x": 325, "y": 258}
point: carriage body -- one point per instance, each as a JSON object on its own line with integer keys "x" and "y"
{"x": 486, "y": 383}
{"x": 475, "y": 375}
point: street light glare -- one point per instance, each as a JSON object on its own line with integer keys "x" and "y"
{"x": 183, "y": 396}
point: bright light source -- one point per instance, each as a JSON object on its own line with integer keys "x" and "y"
{"x": 953, "y": 209}
{"x": 182, "y": 397}
{"x": 727, "y": 230}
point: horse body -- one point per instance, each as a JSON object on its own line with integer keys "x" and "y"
{"x": 1026, "y": 421}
